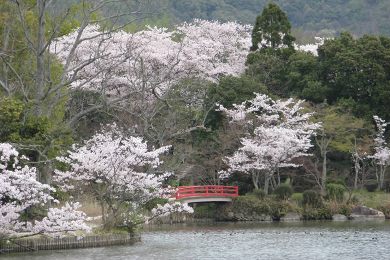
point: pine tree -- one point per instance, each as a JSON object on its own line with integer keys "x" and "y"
{"x": 272, "y": 29}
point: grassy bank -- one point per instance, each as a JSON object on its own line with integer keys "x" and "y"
{"x": 309, "y": 206}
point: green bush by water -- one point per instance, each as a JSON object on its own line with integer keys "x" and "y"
{"x": 258, "y": 193}
{"x": 283, "y": 192}
{"x": 322, "y": 213}
{"x": 312, "y": 198}
{"x": 335, "y": 191}
{"x": 250, "y": 205}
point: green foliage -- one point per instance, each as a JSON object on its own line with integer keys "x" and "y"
{"x": 258, "y": 193}
{"x": 302, "y": 79}
{"x": 17, "y": 126}
{"x": 272, "y": 29}
{"x": 10, "y": 117}
{"x": 341, "y": 128}
{"x": 207, "y": 210}
{"x": 34, "y": 123}
{"x": 279, "y": 209}
{"x": 348, "y": 72}
{"x": 357, "y": 69}
{"x": 269, "y": 66}
{"x": 312, "y": 198}
{"x": 154, "y": 202}
{"x": 374, "y": 200}
{"x": 34, "y": 212}
{"x": 335, "y": 207}
{"x": 283, "y": 192}
{"x": 326, "y": 17}
{"x": 230, "y": 90}
{"x": 234, "y": 90}
{"x": 335, "y": 191}
{"x": 164, "y": 21}
{"x": 297, "y": 197}
{"x": 250, "y": 205}
{"x": 371, "y": 185}
{"x": 316, "y": 213}
{"x": 385, "y": 208}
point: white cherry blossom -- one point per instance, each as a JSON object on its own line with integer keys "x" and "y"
{"x": 282, "y": 132}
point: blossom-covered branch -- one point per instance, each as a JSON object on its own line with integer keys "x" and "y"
{"x": 282, "y": 132}
{"x": 20, "y": 190}
{"x": 119, "y": 171}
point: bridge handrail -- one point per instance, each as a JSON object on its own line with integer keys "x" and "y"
{"x": 206, "y": 191}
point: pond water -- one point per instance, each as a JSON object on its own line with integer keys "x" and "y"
{"x": 310, "y": 240}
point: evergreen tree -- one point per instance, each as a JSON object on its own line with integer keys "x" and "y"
{"x": 272, "y": 29}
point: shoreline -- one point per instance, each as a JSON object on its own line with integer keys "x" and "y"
{"x": 36, "y": 244}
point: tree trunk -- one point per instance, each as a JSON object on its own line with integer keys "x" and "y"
{"x": 273, "y": 183}
{"x": 267, "y": 178}
{"x": 45, "y": 173}
{"x": 276, "y": 181}
{"x": 255, "y": 179}
{"x": 40, "y": 58}
{"x": 355, "y": 183}
{"x": 103, "y": 212}
{"x": 323, "y": 175}
{"x": 323, "y": 144}
{"x": 381, "y": 181}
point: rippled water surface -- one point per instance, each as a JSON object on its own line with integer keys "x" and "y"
{"x": 348, "y": 240}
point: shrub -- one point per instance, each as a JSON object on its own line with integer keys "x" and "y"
{"x": 250, "y": 208}
{"x": 205, "y": 210}
{"x": 312, "y": 198}
{"x": 298, "y": 197}
{"x": 385, "y": 208}
{"x": 339, "y": 208}
{"x": 371, "y": 185}
{"x": 249, "y": 205}
{"x": 283, "y": 192}
{"x": 258, "y": 193}
{"x": 321, "y": 213}
{"x": 279, "y": 209}
{"x": 335, "y": 191}
{"x": 355, "y": 200}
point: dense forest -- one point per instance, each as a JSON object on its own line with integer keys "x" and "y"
{"x": 321, "y": 17}
{"x": 94, "y": 105}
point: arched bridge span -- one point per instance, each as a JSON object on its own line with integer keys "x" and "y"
{"x": 208, "y": 193}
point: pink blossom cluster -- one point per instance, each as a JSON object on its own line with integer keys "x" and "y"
{"x": 382, "y": 151}
{"x": 20, "y": 190}
{"x": 281, "y": 133}
{"x": 121, "y": 63}
{"x": 120, "y": 169}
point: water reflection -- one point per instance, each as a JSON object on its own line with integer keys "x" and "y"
{"x": 309, "y": 240}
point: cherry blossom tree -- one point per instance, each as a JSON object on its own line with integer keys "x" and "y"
{"x": 133, "y": 69}
{"x": 202, "y": 49}
{"x": 20, "y": 191}
{"x": 281, "y": 133}
{"x": 215, "y": 49}
{"x": 120, "y": 172}
{"x": 382, "y": 153}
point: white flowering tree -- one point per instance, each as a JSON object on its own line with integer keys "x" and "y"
{"x": 119, "y": 172}
{"x": 20, "y": 191}
{"x": 134, "y": 69}
{"x": 381, "y": 156}
{"x": 282, "y": 132}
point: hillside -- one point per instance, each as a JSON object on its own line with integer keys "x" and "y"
{"x": 357, "y": 16}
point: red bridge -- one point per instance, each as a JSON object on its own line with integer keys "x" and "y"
{"x": 210, "y": 193}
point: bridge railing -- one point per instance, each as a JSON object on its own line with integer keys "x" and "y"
{"x": 206, "y": 191}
